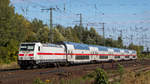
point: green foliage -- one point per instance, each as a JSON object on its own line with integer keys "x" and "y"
{"x": 116, "y": 83}
{"x": 71, "y": 81}
{"x": 38, "y": 81}
{"x": 101, "y": 77}
{"x": 120, "y": 71}
{"x": 90, "y": 75}
{"x": 42, "y": 35}
{"x": 58, "y": 36}
{"x": 12, "y": 31}
{"x": 120, "y": 42}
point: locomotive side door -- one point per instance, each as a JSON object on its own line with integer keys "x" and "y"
{"x": 91, "y": 53}
{"x": 38, "y": 49}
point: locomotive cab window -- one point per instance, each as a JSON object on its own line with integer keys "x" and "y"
{"x": 39, "y": 48}
{"x": 27, "y": 47}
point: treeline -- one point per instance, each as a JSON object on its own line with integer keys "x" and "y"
{"x": 14, "y": 29}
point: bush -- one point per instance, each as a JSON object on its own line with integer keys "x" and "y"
{"x": 101, "y": 77}
{"x": 38, "y": 81}
{"x": 121, "y": 71}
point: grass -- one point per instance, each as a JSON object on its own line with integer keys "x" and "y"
{"x": 12, "y": 65}
{"x": 61, "y": 81}
{"x": 133, "y": 78}
{"x": 128, "y": 77}
{"x": 96, "y": 76}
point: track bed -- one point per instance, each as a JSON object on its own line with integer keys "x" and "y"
{"x": 28, "y": 76}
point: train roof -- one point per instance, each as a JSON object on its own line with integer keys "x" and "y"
{"x": 102, "y": 48}
{"x": 133, "y": 51}
{"x": 116, "y": 49}
{"x": 82, "y": 46}
{"x": 79, "y": 45}
{"x": 126, "y": 50}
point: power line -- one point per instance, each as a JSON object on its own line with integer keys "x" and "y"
{"x": 51, "y": 16}
{"x": 81, "y": 23}
{"x": 121, "y": 33}
{"x": 103, "y": 28}
{"x": 51, "y": 36}
{"x": 80, "y": 20}
{"x": 131, "y": 39}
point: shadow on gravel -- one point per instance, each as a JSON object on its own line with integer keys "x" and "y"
{"x": 5, "y": 70}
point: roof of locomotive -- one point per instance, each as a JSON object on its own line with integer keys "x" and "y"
{"x": 51, "y": 45}
{"x": 29, "y": 42}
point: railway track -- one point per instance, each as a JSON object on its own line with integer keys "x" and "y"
{"x": 18, "y": 74}
{"x": 101, "y": 65}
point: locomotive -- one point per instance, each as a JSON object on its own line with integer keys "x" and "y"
{"x": 42, "y": 54}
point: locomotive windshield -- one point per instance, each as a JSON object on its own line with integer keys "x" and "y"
{"x": 27, "y": 47}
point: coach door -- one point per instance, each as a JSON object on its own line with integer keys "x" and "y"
{"x": 95, "y": 53}
{"x": 70, "y": 55}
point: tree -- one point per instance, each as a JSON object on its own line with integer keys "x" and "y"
{"x": 61, "y": 29}
{"x": 42, "y": 35}
{"x": 58, "y": 36}
{"x": 79, "y": 31}
{"x": 6, "y": 17}
{"x": 89, "y": 40}
{"x": 68, "y": 34}
{"x": 36, "y": 25}
{"x": 120, "y": 42}
{"x": 108, "y": 42}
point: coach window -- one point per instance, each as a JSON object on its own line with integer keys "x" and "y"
{"x": 117, "y": 56}
{"x": 126, "y": 56}
{"x": 39, "y": 48}
{"x": 103, "y": 57}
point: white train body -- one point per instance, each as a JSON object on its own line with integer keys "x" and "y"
{"x": 31, "y": 54}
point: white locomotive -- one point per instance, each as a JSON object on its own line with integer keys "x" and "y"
{"x": 39, "y": 54}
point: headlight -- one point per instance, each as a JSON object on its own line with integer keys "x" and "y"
{"x": 21, "y": 58}
{"x": 31, "y": 58}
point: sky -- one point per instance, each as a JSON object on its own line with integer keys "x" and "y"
{"x": 130, "y": 16}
